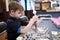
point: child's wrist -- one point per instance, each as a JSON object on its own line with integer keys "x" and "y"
{"x": 31, "y": 21}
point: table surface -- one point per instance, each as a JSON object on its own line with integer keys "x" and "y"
{"x": 48, "y": 23}
{"x": 51, "y": 26}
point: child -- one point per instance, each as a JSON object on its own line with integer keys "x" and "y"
{"x": 14, "y": 27}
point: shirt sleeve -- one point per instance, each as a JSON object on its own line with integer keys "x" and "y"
{"x": 19, "y": 29}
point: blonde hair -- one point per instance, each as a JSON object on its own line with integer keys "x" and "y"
{"x": 15, "y": 6}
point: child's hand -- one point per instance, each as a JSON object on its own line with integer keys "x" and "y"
{"x": 34, "y": 19}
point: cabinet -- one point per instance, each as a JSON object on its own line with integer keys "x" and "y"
{"x": 40, "y": 6}
{"x": 45, "y": 5}
{"x": 37, "y": 6}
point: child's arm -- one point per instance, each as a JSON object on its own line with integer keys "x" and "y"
{"x": 31, "y": 22}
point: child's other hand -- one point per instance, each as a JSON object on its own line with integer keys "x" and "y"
{"x": 34, "y": 18}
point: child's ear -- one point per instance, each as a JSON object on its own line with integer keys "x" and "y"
{"x": 12, "y": 11}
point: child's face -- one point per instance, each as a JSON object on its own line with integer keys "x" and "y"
{"x": 17, "y": 14}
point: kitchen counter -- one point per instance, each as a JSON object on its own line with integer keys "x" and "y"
{"x": 55, "y": 9}
{"x": 51, "y": 28}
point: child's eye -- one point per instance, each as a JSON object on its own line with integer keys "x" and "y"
{"x": 19, "y": 13}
